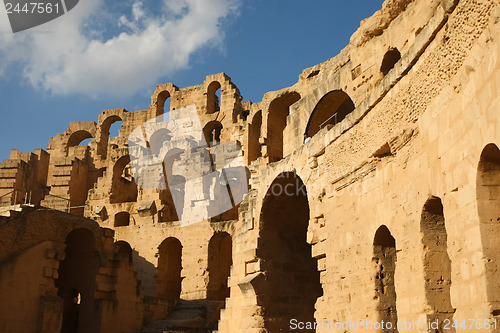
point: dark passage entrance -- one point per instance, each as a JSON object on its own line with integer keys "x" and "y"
{"x": 292, "y": 279}
{"x": 488, "y": 206}
{"x": 219, "y": 266}
{"x": 169, "y": 268}
{"x": 384, "y": 256}
{"x": 437, "y": 263}
{"x": 76, "y": 283}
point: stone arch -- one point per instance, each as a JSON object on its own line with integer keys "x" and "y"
{"x": 254, "y": 133}
{"x": 123, "y": 186}
{"x": 169, "y": 268}
{"x": 159, "y": 98}
{"x": 163, "y": 102}
{"x": 158, "y": 138}
{"x": 213, "y": 102}
{"x": 488, "y": 206}
{"x": 437, "y": 263}
{"x": 279, "y": 109}
{"x": 384, "y": 257}
{"x": 123, "y": 249}
{"x": 292, "y": 284}
{"x": 219, "y": 265}
{"x": 391, "y": 57}
{"x": 77, "y": 137}
{"x": 122, "y": 219}
{"x": 76, "y": 282}
{"x": 212, "y": 132}
{"x": 172, "y": 197}
{"x": 332, "y": 108}
{"x": 104, "y": 133}
{"x": 106, "y": 125}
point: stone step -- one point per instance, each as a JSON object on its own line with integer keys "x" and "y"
{"x": 188, "y": 316}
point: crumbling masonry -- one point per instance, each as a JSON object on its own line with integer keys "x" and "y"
{"x": 388, "y": 208}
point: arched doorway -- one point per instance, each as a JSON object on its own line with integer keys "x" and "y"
{"x": 384, "y": 256}
{"x": 330, "y": 110}
{"x": 169, "y": 268}
{"x": 76, "y": 283}
{"x": 213, "y": 97}
{"x": 110, "y": 127}
{"x": 219, "y": 265}
{"x": 437, "y": 263}
{"x": 163, "y": 105}
{"x": 254, "y": 150}
{"x": 488, "y": 206}
{"x": 292, "y": 278}
{"x": 279, "y": 109}
{"x": 212, "y": 132}
{"x": 123, "y": 185}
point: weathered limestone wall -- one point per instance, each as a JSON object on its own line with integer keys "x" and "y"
{"x": 394, "y": 198}
{"x": 47, "y": 255}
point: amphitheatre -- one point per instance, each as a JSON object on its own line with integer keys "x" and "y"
{"x": 372, "y": 195}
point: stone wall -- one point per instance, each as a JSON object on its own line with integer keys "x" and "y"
{"x": 373, "y": 186}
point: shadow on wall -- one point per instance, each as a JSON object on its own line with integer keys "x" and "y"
{"x": 146, "y": 272}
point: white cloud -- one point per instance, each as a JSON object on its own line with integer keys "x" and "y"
{"x": 70, "y": 55}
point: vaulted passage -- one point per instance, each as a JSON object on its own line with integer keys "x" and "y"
{"x": 437, "y": 264}
{"x": 77, "y": 283}
{"x": 384, "y": 256}
{"x": 488, "y": 205}
{"x": 279, "y": 109}
{"x": 169, "y": 269}
{"x": 292, "y": 283}
{"x": 123, "y": 186}
{"x": 212, "y": 132}
{"x": 219, "y": 265}
{"x": 110, "y": 127}
{"x": 330, "y": 110}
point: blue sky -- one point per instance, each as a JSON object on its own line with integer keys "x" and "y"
{"x": 111, "y": 54}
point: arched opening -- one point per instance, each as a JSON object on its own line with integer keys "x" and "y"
{"x": 158, "y": 138}
{"x": 169, "y": 268}
{"x": 114, "y": 129}
{"x": 124, "y": 250}
{"x": 123, "y": 186}
{"x": 488, "y": 205}
{"x": 212, "y": 132}
{"x": 86, "y": 142}
{"x": 213, "y": 97}
{"x": 163, "y": 105}
{"x": 76, "y": 282}
{"x": 330, "y": 110}
{"x": 220, "y": 259}
{"x": 279, "y": 109}
{"x": 384, "y": 257}
{"x": 78, "y": 138}
{"x": 292, "y": 280}
{"x": 437, "y": 264}
{"x": 172, "y": 198}
{"x": 122, "y": 219}
{"x": 110, "y": 127}
{"x": 254, "y": 149}
{"x": 390, "y": 59}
